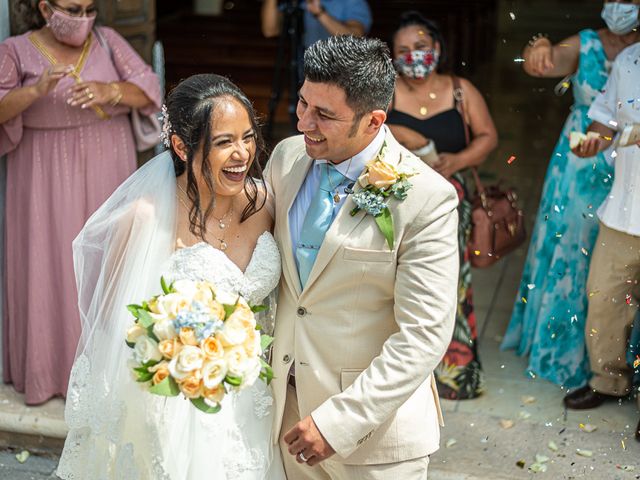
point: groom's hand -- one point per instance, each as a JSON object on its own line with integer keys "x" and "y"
{"x": 306, "y": 438}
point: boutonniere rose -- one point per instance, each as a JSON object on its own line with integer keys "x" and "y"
{"x": 380, "y": 181}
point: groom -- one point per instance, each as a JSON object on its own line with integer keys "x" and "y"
{"x": 360, "y": 326}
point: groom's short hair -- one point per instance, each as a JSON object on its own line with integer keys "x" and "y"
{"x": 362, "y": 67}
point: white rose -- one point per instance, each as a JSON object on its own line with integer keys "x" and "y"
{"x": 252, "y": 372}
{"x": 146, "y": 350}
{"x": 226, "y": 298}
{"x": 172, "y": 303}
{"x": 188, "y": 359}
{"x": 164, "y": 329}
{"x": 186, "y": 288}
{"x": 234, "y": 332}
{"x": 253, "y": 344}
{"x": 135, "y": 332}
{"x": 238, "y": 363}
{"x": 213, "y": 372}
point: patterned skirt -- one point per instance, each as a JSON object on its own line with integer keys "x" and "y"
{"x": 459, "y": 375}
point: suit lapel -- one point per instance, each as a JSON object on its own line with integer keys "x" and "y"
{"x": 344, "y": 223}
{"x": 294, "y": 180}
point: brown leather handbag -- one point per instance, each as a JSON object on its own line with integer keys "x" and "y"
{"x": 497, "y": 222}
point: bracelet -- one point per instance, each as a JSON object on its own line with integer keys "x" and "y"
{"x": 118, "y": 94}
{"x": 322, "y": 10}
{"x": 536, "y": 37}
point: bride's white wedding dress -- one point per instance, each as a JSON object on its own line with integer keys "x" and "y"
{"x": 117, "y": 430}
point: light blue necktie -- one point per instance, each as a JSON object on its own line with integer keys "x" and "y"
{"x": 317, "y": 220}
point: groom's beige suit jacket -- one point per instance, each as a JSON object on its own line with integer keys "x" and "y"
{"x": 372, "y": 323}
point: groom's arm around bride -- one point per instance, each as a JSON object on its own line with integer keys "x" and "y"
{"x": 364, "y": 317}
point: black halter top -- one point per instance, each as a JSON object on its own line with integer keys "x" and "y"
{"x": 445, "y": 129}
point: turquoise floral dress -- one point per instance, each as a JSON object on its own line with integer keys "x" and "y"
{"x": 550, "y": 310}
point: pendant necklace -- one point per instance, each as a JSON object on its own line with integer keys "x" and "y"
{"x": 336, "y": 195}
{"x": 223, "y": 222}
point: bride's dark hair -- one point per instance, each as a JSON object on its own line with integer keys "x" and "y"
{"x": 189, "y": 107}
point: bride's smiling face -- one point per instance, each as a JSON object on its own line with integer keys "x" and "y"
{"x": 233, "y": 148}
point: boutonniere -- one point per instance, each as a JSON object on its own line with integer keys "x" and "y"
{"x": 380, "y": 181}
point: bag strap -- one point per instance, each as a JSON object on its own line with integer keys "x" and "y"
{"x": 458, "y": 96}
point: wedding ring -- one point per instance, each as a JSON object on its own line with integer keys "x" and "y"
{"x": 302, "y": 457}
{"x": 87, "y": 91}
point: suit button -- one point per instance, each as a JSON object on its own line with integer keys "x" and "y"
{"x": 286, "y": 359}
{"x": 302, "y": 311}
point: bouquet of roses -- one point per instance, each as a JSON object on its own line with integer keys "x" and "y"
{"x": 198, "y": 340}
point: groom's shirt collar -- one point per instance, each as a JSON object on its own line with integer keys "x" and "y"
{"x": 353, "y": 169}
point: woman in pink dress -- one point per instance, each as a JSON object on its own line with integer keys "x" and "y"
{"x": 66, "y": 89}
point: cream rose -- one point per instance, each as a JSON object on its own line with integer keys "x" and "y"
{"x": 238, "y": 363}
{"x": 164, "y": 329}
{"x": 185, "y": 362}
{"x": 146, "y": 350}
{"x": 212, "y": 347}
{"x": 188, "y": 336}
{"x": 213, "y": 372}
{"x": 234, "y": 332}
{"x": 381, "y": 174}
{"x": 170, "y": 348}
{"x": 213, "y": 396}
{"x": 252, "y": 344}
{"x": 191, "y": 386}
{"x": 216, "y": 308}
{"x": 135, "y": 332}
{"x": 160, "y": 371}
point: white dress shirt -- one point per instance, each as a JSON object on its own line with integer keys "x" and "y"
{"x": 617, "y": 106}
{"x": 351, "y": 169}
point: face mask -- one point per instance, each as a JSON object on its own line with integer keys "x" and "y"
{"x": 621, "y": 18}
{"x": 417, "y": 64}
{"x": 68, "y": 29}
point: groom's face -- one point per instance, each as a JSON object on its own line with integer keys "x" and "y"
{"x": 332, "y": 130}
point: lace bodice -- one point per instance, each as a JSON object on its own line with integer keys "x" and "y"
{"x": 204, "y": 262}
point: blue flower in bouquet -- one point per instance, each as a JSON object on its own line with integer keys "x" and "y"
{"x": 369, "y": 201}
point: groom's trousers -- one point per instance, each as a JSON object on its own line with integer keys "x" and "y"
{"x": 330, "y": 469}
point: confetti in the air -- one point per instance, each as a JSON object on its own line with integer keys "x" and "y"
{"x": 584, "y": 252}
{"x": 512, "y": 15}
{"x": 512, "y": 159}
{"x": 531, "y": 286}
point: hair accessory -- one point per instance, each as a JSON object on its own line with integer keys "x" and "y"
{"x": 165, "y": 134}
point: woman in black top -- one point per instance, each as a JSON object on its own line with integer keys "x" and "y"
{"x": 427, "y": 108}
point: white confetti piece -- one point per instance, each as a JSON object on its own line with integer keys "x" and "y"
{"x": 512, "y": 15}
{"x": 587, "y": 427}
{"x": 541, "y": 458}
{"x": 584, "y": 453}
{"x": 531, "y": 286}
{"x": 450, "y": 443}
{"x": 528, "y": 399}
{"x": 538, "y": 467}
{"x": 552, "y": 446}
{"x": 22, "y": 456}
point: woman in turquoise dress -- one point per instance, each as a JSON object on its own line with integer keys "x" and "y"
{"x": 550, "y": 309}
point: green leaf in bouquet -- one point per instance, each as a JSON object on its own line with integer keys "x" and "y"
{"x": 258, "y": 308}
{"x": 265, "y": 341}
{"x": 133, "y": 309}
{"x": 385, "y": 224}
{"x": 165, "y": 288}
{"x": 203, "y": 406}
{"x": 145, "y": 319}
{"x": 233, "y": 380}
{"x": 129, "y": 344}
{"x": 266, "y": 373}
{"x": 144, "y": 376}
{"x": 228, "y": 310}
{"x": 166, "y": 388}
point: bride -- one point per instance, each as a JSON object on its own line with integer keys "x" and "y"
{"x": 195, "y": 212}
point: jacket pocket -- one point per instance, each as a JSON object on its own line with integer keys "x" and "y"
{"x": 348, "y": 376}
{"x": 361, "y": 255}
